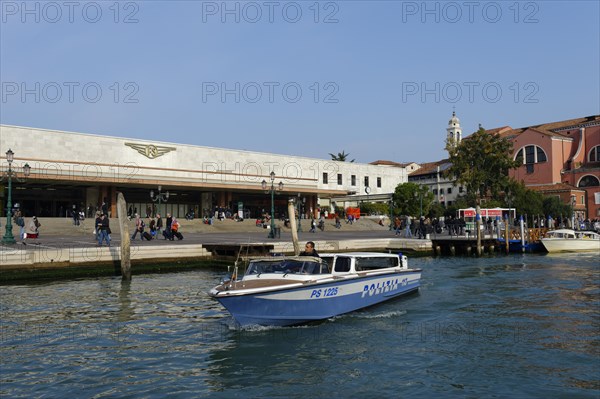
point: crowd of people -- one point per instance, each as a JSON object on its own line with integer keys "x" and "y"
{"x": 27, "y": 229}
{"x": 156, "y": 229}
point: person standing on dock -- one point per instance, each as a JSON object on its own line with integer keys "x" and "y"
{"x": 408, "y": 227}
{"x": 138, "y": 227}
{"x": 159, "y": 224}
{"x": 103, "y": 230}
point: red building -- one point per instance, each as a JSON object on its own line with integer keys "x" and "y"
{"x": 562, "y": 159}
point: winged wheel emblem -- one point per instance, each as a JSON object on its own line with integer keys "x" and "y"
{"x": 150, "y": 150}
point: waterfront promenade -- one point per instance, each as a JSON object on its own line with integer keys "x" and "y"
{"x": 62, "y": 244}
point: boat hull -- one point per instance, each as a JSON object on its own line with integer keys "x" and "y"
{"x": 317, "y": 301}
{"x": 570, "y": 245}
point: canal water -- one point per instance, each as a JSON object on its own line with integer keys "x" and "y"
{"x": 516, "y": 326}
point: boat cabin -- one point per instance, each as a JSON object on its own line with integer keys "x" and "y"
{"x": 335, "y": 264}
{"x": 572, "y": 234}
{"x": 345, "y": 263}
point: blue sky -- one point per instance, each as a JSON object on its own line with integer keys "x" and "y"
{"x": 377, "y": 79}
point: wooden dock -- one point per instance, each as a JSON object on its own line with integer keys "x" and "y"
{"x": 467, "y": 244}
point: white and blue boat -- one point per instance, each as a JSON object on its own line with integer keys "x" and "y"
{"x": 284, "y": 291}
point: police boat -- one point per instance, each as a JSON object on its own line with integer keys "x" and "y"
{"x": 285, "y": 291}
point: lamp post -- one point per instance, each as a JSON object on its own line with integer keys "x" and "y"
{"x": 508, "y": 221}
{"x": 391, "y": 213}
{"x": 8, "y": 234}
{"x": 160, "y": 197}
{"x": 420, "y": 202}
{"x": 272, "y": 191}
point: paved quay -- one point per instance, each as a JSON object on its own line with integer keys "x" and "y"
{"x": 62, "y": 244}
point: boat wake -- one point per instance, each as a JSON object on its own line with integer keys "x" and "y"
{"x": 383, "y": 315}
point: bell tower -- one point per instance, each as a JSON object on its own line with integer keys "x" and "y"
{"x": 454, "y": 135}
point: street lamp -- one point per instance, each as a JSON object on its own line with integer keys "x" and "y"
{"x": 420, "y": 202}
{"x": 160, "y": 197}
{"x": 391, "y": 213}
{"x": 8, "y": 234}
{"x": 272, "y": 191}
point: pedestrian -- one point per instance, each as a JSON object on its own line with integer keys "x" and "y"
{"x": 33, "y": 228}
{"x": 167, "y": 231}
{"x": 152, "y": 227}
{"x": 138, "y": 227}
{"x": 397, "y": 225}
{"x": 19, "y": 221}
{"x": 75, "y": 215}
{"x": 409, "y": 227}
{"x": 103, "y": 230}
{"x": 96, "y": 223}
{"x": 159, "y": 223}
{"x": 313, "y": 226}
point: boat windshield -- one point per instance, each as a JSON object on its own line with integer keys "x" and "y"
{"x": 285, "y": 266}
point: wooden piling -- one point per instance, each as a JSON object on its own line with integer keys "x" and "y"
{"x": 478, "y": 227}
{"x": 292, "y": 216}
{"x": 506, "y": 235}
{"x": 125, "y": 238}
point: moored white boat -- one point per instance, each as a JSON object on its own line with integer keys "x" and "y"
{"x": 566, "y": 240}
{"x": 282, "y": 291}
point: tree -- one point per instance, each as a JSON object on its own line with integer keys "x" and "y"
{"x": 341, "y": 156}
{"x": 554, "y": 207}
{"x": 409, "y": 198}
{"x": 481, "y": 163}
{"x": 524, "y": 200}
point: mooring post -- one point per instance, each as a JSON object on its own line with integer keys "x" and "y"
{"x": 292, "y": 217}
{"x": 478, "y": 227}
{"x": 506, "y": 234}
{"x": 125, "y": 239}
{"x": 522, "y": 233}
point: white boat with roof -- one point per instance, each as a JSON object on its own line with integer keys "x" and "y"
{"x": 567, "y": 240}
{"x": 283, "y": 291}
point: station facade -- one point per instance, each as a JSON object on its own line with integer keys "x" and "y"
{"x": 89, "y": 170}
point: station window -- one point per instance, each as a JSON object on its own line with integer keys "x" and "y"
{"x": 379, "y": 182}
{"x": 366, "y": 181}
{"x": 449, "y": 190}
{"x": 325, "y": 178}
{"x": 435, "y": 191}
{"x": 353, "y": 180}
{"x": 340, "y": 179}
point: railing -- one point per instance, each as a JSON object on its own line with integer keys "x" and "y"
{"x": 531, "y": 234}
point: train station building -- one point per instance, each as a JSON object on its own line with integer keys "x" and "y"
{"x": 88, "y": 170}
